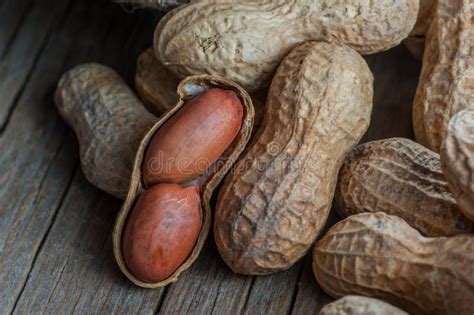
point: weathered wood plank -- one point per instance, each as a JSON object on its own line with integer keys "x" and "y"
{"x": 12, "y": 14}
{"x": 273, "y": 294}
{"x": 74, "y": 271}
{"x": 310, "y": 298}
{"x": 23, "y": 52}
{"x": 35, "y": 172}
{"x": 208, "y": 287}
{"x": 35, "y": 169}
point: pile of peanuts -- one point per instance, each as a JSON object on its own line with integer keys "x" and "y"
{"x": 266, "y": 102}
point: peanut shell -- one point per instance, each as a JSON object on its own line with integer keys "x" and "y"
{"x": 273, "y": 206}
{"x": 187, "y": 89}
{"x": 457, "y": 160}
{"x": 358, "y": 305}
{"x": 446, "y": 84}
{"x": 400, "y": 177}
{"x": 246, "y": 40}
{"x": 381, "y": 256}
{"x": 109, "y": 122}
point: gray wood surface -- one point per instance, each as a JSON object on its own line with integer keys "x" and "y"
{"x": 55, "y": 228}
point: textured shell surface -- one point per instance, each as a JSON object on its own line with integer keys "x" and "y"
{"x": 446, "y": 84}
{"x": 403, "y": 178}
{"x": 109, "y": 121}
{"x": 246, "y": 40}
{"x": 277, "y": 199}
{"x": 457, "y": 158}
{"x": 358, "y": 305}
{"x": 381, "y": 256}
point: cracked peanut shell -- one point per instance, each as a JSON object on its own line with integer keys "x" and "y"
{"x": 457, "y": 160}
{"x": 403, "y": 178}
{"x": 274, "y": 204}
{"x": 187, "y": 89}
{"x": 446, "y": 84}
{"x": 109, "y": 121}
{"x": 246, "y": 40}
{"x": 381, "y": 256}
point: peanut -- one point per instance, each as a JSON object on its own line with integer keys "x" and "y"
{"x": 161, "y": 231}
{"x": 108, "y": 120}
{"x": 400, "y": 177}
{"x": 358, "y": 305}
{"x": 193, "y": 139}
{"x": 381, "y": 256}
{"x": 446, "y": 83}
{"x": 457, "y": 160}
{"x": 272, "y": 207}
{"x": 246, "y": 40}
{"x": 211, "y": 122}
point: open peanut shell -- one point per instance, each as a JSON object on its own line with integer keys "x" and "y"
{"x": 187, "y": 89}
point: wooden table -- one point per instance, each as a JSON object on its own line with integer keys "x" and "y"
{"x": 55, "y": 228}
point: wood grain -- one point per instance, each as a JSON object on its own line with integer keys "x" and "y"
{"x": 55, "y": 247}
{"x": 12, "y": 14}
{"x": 37, "y": 167}
{"x": 21, "y": 53}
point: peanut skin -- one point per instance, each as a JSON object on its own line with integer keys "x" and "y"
{"x": 381, "y": 256}
{"x": 192, "y": 140}
{"x": 161, "y": 231}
